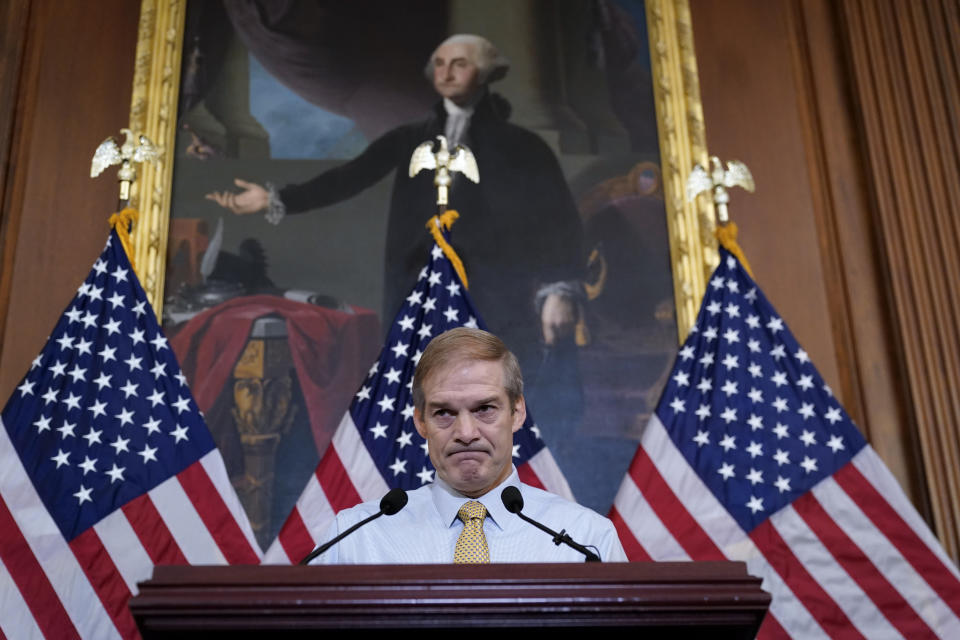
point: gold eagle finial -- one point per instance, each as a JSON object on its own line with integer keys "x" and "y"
{"x": 716, "y": 181}
{"x": 132, "y": 150}
{"x": 426, "y": 156}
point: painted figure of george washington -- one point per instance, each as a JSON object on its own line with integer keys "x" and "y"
{"x": 519, "y": 233}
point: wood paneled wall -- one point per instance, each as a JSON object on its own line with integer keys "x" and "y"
{"x": 905, "y": 62}
{"x": 69, "y": 89}
{"x": 845, "y": 111}
{"x": 14, "y": 17}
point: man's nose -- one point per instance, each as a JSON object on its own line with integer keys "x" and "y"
{"x": 465, "y": 429}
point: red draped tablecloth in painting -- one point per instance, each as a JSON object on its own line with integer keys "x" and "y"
{"x": 331, "y": 351}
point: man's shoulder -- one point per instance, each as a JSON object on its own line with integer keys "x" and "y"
{"x": 527, "y": 137}
{"x": 584, "y": 525}
{"x": 404, "y": 137}
{"x": 521, "y": 145}
{"x": 538, "y": 500}
{"x": 429, "y": 125}
{"x": 352, "y": 515}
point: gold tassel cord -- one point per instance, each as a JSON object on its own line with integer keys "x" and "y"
{"x": 727, "y": 235}
{"x": 446, "y": 221}
{"x": 121, "y": 223}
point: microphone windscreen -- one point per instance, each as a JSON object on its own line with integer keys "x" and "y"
{"x": 395, "y": 500}
{"x": 512, "y": 499}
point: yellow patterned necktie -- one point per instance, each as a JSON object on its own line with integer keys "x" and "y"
{"x": 472, "y": 544}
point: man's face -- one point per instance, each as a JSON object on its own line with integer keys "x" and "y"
{"x": 469, "y": 425}
{"x": 455, "y": 75}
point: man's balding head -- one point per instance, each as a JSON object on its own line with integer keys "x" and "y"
{"x": 461, "y": 344}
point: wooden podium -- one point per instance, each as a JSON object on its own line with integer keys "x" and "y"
{"x": 692, "y": 599}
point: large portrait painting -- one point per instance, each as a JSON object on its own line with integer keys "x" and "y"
{"x": 284, "y": 231}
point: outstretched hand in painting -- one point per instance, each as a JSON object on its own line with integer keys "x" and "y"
{"x": 252, "y": 199}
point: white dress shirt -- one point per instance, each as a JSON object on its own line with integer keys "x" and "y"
{"x": 458, "y": 121}
{"x": 426, "y": 530}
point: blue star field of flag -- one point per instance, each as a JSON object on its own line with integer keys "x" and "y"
{"x": 382, "y": 409}
{"x": 104, "y": 414}
{"x": 747, "y": 408}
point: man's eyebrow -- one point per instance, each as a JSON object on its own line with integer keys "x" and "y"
{"x": 438, "y": 404}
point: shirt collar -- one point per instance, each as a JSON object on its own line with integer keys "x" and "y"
{"x": 453, "y": 109}
{"x": 448, "y": 500}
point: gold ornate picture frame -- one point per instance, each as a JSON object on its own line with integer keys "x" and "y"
{"x": 625, "y": 338}
{"x": 679, "y": 121}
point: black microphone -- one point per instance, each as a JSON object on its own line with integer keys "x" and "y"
{"x": 513, "y": 501}
{"x": 395, "y": 500}
{"x": 391, "y": 503}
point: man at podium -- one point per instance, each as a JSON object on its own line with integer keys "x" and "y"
{"x": 468, "y": 403}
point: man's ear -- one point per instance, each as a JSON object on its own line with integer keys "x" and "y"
{"x": 419, "y": 424}
{"x": 519, "y": 414}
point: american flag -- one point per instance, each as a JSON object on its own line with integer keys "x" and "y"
{"x": 376, "y": 447}
{"x": 750, "y": 457}
{"x": 106, "y": 469}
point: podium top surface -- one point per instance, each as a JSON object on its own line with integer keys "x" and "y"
{"x": 371, "y": 574}
{"x": 718, "y": 598}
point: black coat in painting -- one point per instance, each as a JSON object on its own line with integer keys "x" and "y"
{"x": 518, "y": 228}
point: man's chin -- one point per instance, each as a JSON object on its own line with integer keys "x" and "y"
{"x": 470, "y": 478}
{"x": 473, "y": 489}
{"x": 455, "y": 95}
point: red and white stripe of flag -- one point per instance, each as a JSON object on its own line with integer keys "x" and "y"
{"x": 852, "y": 558}
{"x": 54, "y": 589}
{"x": 347, "y": 475}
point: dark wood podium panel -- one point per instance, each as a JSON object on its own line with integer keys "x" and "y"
{"x": 689, "y": 598}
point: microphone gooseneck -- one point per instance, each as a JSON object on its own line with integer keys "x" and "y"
{"x": 513, "y": 501}
{"x": 391, "y": 503}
